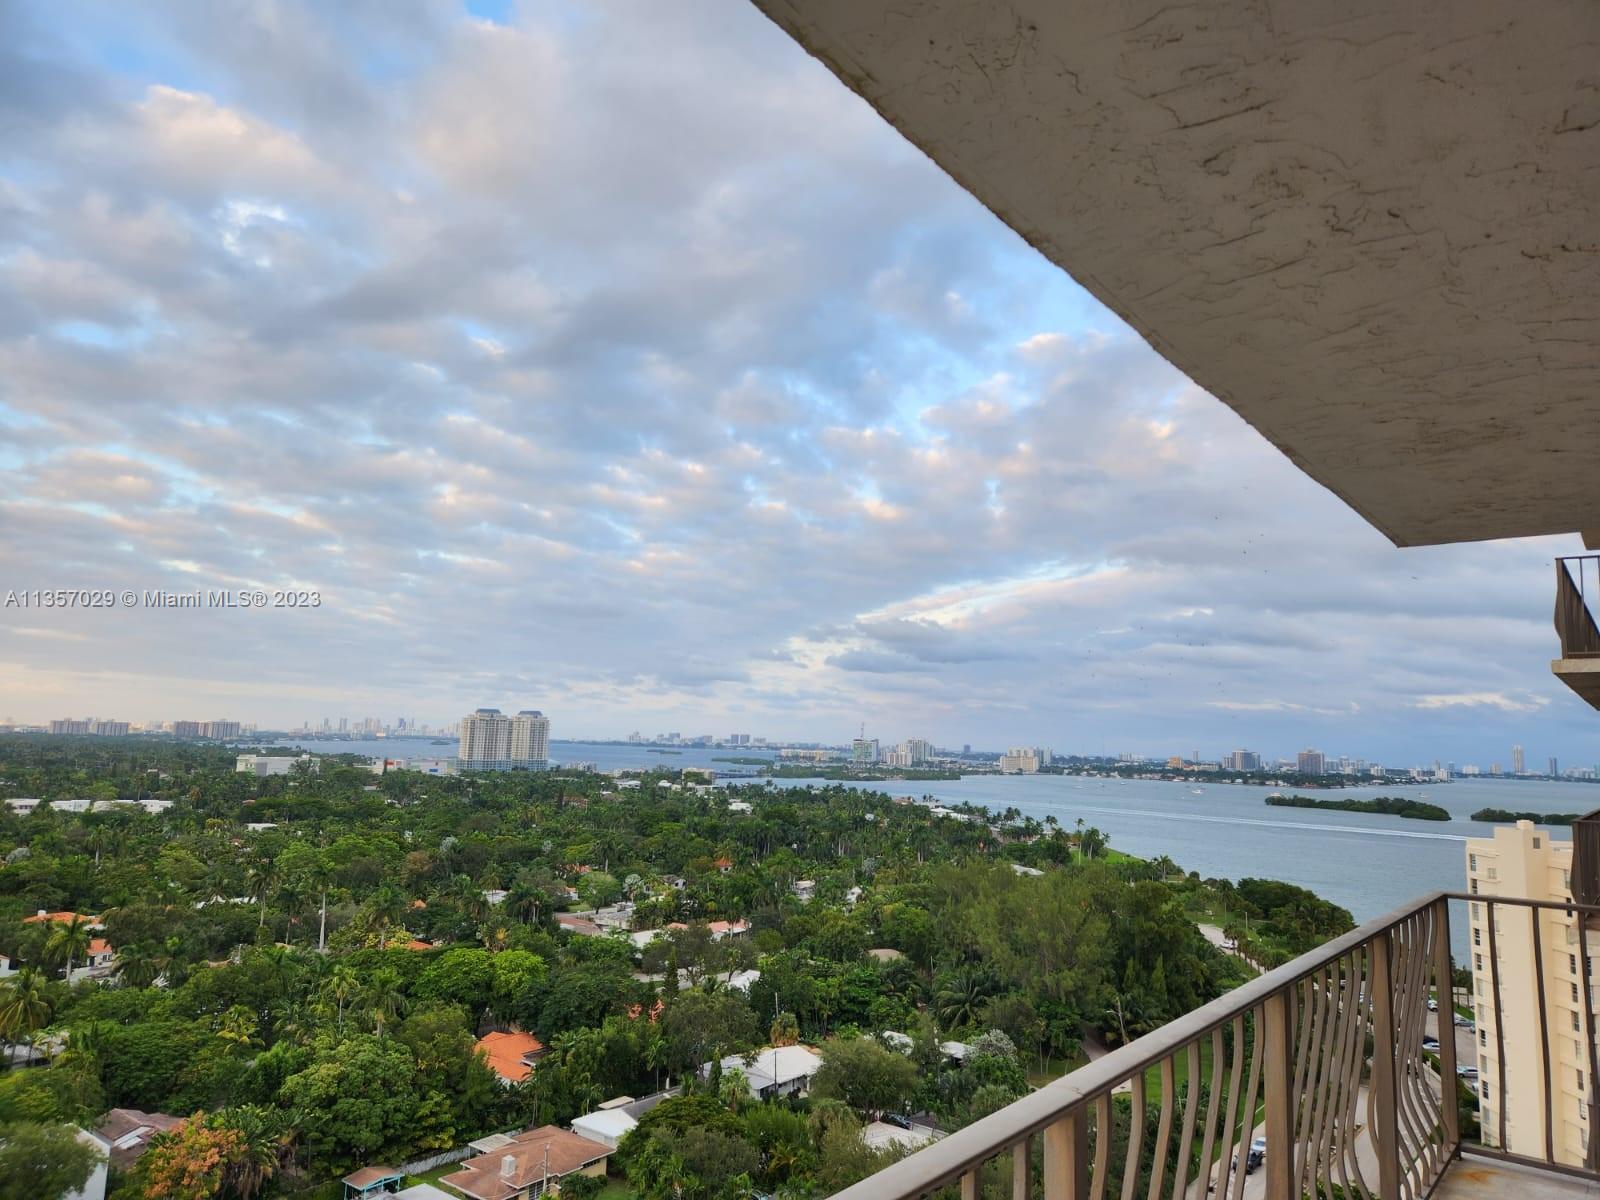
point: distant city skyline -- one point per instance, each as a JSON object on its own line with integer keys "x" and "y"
{"x": 903, "y": 750}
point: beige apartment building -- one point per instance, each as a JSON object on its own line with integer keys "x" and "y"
{"x": 1527, "y": 863}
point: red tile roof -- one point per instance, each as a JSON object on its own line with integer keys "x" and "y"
{"x": 507, "y": 1053}
{"x": 483, "y": 1178}
{"x": 60, "y": 918}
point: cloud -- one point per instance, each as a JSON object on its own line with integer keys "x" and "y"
{"x": 1498, "y": 700}
{"x": 616, "y": 360}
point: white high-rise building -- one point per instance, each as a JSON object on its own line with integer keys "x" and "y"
{"x": 491, "y": 741}
{"x": 530, "y": 739}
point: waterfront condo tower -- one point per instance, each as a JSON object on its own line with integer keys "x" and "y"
{"x": 492, "y": 741}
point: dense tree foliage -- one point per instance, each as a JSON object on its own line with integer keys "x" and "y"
{"x": 307, "y": 961}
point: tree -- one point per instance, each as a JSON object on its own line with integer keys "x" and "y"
{"x": 785, "y": 1030}
{"x": 700, "y": 1026}
{"x": 190, "y": 1162}
{"x": 25, "y": 1006}
{"x": 866, "y": 1076}
{"x": 43, "y": 1161}
{"x": 357, "y": 1104}
{"x": 960, "y": 995}
{"x": 68, "y": 942}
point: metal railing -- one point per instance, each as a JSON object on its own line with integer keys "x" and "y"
{"x": 1323, "y": 1055}
{"x": 1577, "y": 597}
{"x": 1560, "y": 978}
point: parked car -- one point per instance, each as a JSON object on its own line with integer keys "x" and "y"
{"x": 1430, "y": 1043}
{"x": 1433, "y": 1005}
{"x": 1467, "y": 1072}
{"x": 896, "y": 1120}
{"x": 1464, "y": 1022}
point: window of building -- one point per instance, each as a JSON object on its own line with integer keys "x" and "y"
{"x": 1572, "y": 964}
{"x": 1483, "y": 1037}
{"x": 1536, "y": 843}
{"x": 1580, "y": 1081}
{"x": 1575, "y": 1026}
{"x": 1477, "y": 937}
{"x": 1477, "y": 962}
{"x": 1472, "y": 862}
{"x": 1574, "y": 993}
{"x": 1493, "y": 872}
{"x": 1473, "y": 886}
{"x": 1474, "y": 907}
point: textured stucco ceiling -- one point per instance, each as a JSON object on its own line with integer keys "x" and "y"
{"x": 1371, "y": 228}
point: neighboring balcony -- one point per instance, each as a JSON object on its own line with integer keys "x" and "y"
{"x": 1577, "y": 602}
{"x": 1312, "y": 1081}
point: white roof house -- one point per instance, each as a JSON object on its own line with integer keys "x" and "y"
{"x": 774, "y": 1070}
{"x": 608, "y": 1126}
{"x": 880, "y": 1135}
{"x": 740, "y": 981}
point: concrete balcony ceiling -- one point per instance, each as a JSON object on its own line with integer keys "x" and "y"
{"x": 1371, "y": 228}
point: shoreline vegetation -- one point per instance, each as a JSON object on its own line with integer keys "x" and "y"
{"x": 1507, "y": 816}
{"x": 1388, "y": 806}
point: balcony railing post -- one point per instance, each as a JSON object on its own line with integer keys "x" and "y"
{"x": 1278, "y": 1069}
{"x": 1385, "y": 1107}
{"x": 1445, "y": 992}
{"x": 1066, "y": 1157}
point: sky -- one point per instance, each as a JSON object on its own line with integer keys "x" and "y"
{"x": 613, "y": 359}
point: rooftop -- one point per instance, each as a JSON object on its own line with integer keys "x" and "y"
{"x": 503, "y": 1173}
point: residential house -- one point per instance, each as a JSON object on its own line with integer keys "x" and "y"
{"x": 608, "y": 1124}
{"x": 126, "y": 1133}
{"x": 774, "y": 1072}
{"x": 804, "y": 889}
{"x": 529, "y": 1165}
{"x": 511, "y": 1055}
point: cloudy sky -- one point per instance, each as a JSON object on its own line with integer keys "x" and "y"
{"x": 612, "y": 358}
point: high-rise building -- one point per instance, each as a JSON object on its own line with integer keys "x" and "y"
{"x": 1310, "y": 762}
{"x": 219, "y": 729}
{"x": 1244, "y": 760}
{"x": 1516, "y": 760}
{"x": 1555, "y": 768}
{"x": 530, "y": 739}
{"x": 864, "y": 750}
{"x": 1020, "y": 760}
{"x": 186, "y": 729}
{"x": 69, "y": 726}
{"x": 109, "y": 728}
{"x": 491, "y": 741}
{"x": 1525, "y": 862}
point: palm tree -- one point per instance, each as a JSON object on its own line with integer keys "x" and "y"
{"x": 238, "y": 1027}
{"x": 344, "y": 986}
{"x": 384, "y": 998}
{"x": 67, "y": 941}
{"x": 265, "y": 1144}
{"x": 960, "y": 996}
{"x": 138, "y": 966}
{"x": 25, "y": 1006}
{"x": 264, "y": 877}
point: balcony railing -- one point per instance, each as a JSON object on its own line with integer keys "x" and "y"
{"x": 1577, "y": 598}
{"x": 1323, "y": 1057}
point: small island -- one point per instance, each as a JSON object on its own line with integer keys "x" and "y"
{"x": 1507, "y": 816}
{"x": 1388, "y": 806}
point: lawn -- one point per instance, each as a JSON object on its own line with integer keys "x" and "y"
{"x": 1054, "y": 1068}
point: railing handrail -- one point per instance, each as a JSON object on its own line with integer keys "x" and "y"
{"x": 947, "y": 1160}
{"x": 1574, "y": 619}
